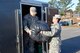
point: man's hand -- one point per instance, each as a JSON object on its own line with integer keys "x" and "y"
{"x": 28, "y": 31}
{"x": 41, "y": 32}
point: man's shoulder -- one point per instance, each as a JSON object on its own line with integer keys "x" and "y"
{"x": 36, "y": 17}
{"x": 27, "y": 16}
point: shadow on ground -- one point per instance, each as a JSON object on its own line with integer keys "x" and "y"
{"x": 71, "y": 45}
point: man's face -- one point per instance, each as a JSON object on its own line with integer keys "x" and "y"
{"x": 33, "y": 11}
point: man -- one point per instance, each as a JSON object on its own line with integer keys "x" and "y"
{"x": 29, "y": 19}
{"x": 54, "y": 44}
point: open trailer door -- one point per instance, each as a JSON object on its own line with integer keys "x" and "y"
{"x": 42, "y": 12}
{"x": 19, "y": 17}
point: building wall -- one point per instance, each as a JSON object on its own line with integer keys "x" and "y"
{"x": 68, "y": 15}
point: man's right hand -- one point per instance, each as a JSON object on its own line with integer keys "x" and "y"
{"x": 28, "y": 31}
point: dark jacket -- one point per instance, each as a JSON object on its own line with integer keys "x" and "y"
{"x": 28, "y": 42}
{"x": 29, "y": 20}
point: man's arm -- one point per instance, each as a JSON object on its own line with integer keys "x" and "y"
{"x": 26, "y": 25}
{"x": 27, "y": 30}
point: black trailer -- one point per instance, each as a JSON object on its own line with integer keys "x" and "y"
{"x": 7, "y": 26}
{"x": 11, "y": 18}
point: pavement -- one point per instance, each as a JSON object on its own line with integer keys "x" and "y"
{"x": 70, "y": 37}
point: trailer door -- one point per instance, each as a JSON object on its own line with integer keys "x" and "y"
{"x": 20, "y": 13}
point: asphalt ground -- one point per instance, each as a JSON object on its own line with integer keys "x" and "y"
{"x": 70, "y": 37}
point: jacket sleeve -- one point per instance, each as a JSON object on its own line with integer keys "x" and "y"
{"x": 54, "y": 31}
{"x": 25, "y": 23}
